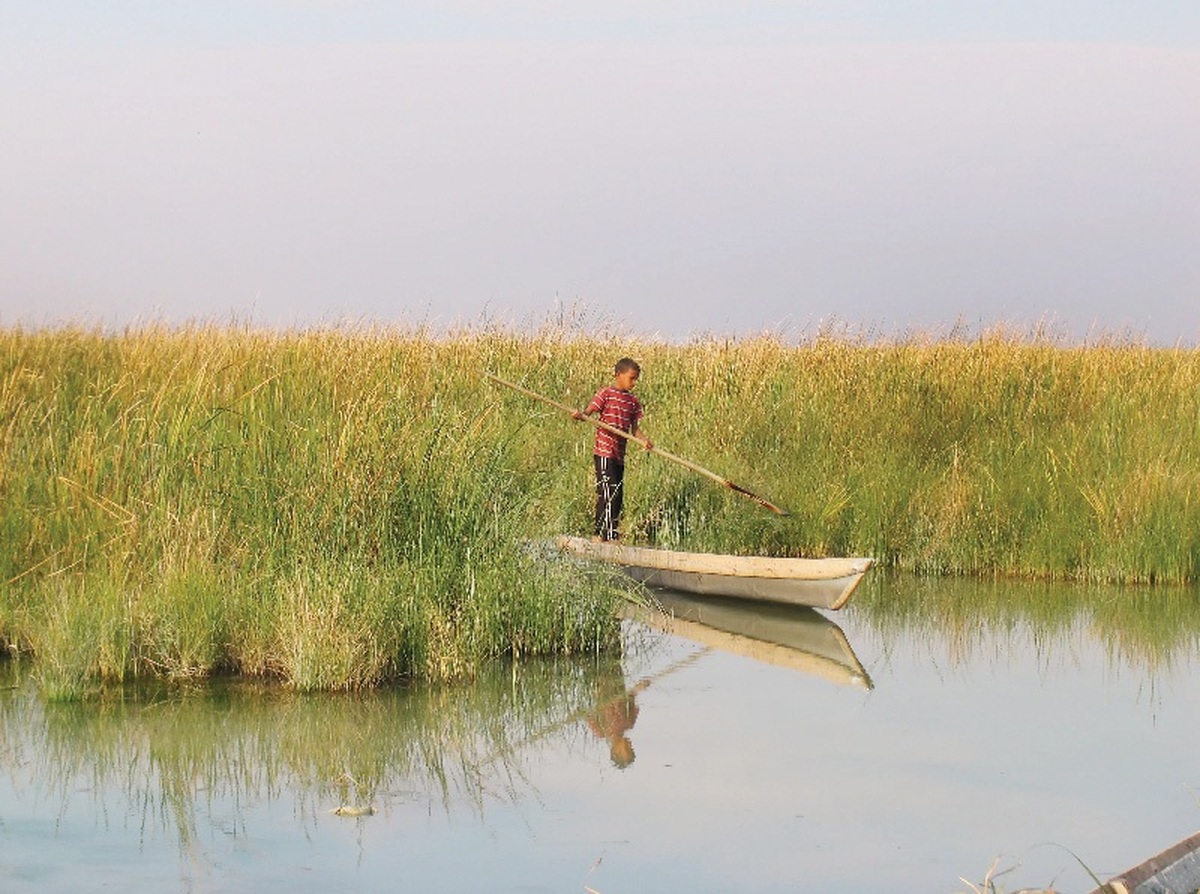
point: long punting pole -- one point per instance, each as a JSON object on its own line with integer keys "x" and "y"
{"x": 658, "y": 451}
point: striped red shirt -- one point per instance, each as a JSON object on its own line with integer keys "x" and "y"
{"x": 619, "y": 409}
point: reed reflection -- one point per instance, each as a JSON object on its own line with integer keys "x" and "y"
{"x": 1144, "y": 627}
{"x": 169, "y": 756}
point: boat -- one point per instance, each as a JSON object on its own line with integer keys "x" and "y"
{"x": 791, "y": 636}
{"x": 1175, "y": 869}
{"x": 817, "y": 583}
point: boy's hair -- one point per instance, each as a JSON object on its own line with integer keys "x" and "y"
{"x": 625, "y": 364}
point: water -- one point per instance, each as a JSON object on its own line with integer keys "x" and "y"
{"x": 938, "y": 732}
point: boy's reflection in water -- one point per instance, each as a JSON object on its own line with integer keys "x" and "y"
{"x": 615, "y": 714}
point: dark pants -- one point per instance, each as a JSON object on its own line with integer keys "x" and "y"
{"x": 610, "y": 475}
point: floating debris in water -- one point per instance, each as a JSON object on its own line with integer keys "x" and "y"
{"x": 345, "y": 810}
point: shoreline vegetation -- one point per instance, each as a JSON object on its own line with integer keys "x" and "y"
{"x": 342, "y": 508}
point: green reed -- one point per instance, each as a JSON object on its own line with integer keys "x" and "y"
{"x": 994, "y": 456}
{"x": 334, "y": 510}
{"x": 338, "y": 508}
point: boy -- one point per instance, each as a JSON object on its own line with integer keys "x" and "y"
{"x": 619, "y": 408}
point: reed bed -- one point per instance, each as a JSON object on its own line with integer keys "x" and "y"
{"x": 338, "y": 508}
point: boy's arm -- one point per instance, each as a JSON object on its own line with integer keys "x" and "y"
{"x": 594, "y": 406}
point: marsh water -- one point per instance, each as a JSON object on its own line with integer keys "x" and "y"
{"x": 932, "y": 734}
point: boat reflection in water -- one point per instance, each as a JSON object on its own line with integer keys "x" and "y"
{"x": 789, "y": 636}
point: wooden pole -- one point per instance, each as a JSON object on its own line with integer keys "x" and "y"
{"x": 658, "y": 451}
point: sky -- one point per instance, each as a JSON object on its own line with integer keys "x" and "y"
{"x": 678, "y": 169}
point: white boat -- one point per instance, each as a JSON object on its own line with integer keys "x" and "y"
{"x": 817, "y": 583}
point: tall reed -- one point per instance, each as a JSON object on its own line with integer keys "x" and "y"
{"x": 327, "y": 508}
{"x": 341, "y": 507}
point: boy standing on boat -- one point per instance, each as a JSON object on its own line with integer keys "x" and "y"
{"x": 619, "y": 408}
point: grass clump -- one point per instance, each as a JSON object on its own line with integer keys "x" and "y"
{"x": 313, "y": 507}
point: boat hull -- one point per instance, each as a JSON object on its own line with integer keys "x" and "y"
{"x": 817, "y": 583}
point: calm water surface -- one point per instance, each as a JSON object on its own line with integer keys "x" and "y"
{"x": 937, "y": 731}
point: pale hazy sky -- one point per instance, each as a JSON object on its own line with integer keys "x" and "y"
{"x": 680, "y": 168}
